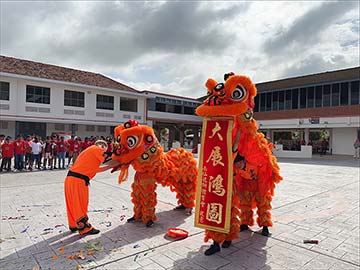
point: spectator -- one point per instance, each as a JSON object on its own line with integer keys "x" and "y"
{"x": 70, "y": 142}
{"x": 7, "y": 149}
{"x": 35, "y": 154}
{"x": 62, "y": 149}
{"x": 54, "y": 152}
{"x": 357, "y": 148}
{"x": 28, "y": 153}
{"x": 19, "y": 148}
{"x": 324, "y": 146}
{"x": 2, "y": 140}
{"x": 77, "y": 148}
{"x": 109, "y": 149}
{"x": 47, "y": 153}
{"x": 86, "y": 143}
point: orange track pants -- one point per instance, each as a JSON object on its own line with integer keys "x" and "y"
{"x": 77, "y": 201}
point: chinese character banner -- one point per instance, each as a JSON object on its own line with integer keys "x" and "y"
{"x": 214, "y": 189}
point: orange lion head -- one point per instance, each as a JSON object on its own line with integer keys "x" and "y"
{"x": 132, "y": 141}
{"x": 232, "y": 98}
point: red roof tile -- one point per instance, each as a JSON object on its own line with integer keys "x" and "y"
{"x": 51, "y": 72}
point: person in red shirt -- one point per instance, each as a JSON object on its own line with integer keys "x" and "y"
{"x": 28, "y": 153}
{"x": 110, "y": 147}
{"x": 70, "y": 142}
{"x": 7, "y": 149}
{"x": 77, "y": 186}
{"x": 19, "y": 148}
{"x": 77, "y": 148}
{"x": 62, "y": 149}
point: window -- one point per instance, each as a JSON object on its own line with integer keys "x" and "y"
{"x": 335, "y": 95}
{"x": 37, "y": 94}
{"x": 302, "y": 98}
{"x": 275, "y": 101}
{"x": 262, "y": 102}
{"x": 189, "y": 110}
{"x": 268, "y": 102}
{"x": 288, "y": 100}
{"x": 310, "y": 97}
{"x": 160, "y": 107}
{"x": 295, "y": 99}
{"x": 4, "y": 124}
{"x": 128, "y": 104}
{"x": 355, "y": 92}
{"x": 344, "y": 94}
{"x": 173, "y": 108}
{"x": 74, "y": 98}
{"x": 60, "y": 127}
{"x": 318, "y": 96}
{"x": 104, "y": 102}
{"x": 150, "y": 104}
{"x": 4, "y": 90}
{"x": 326, "y": 95}
{"x": 256, "y": 100}
{"x": 90, "y": 128}
{"x": 281, "y": 100}
{"x": 101, "y": 128}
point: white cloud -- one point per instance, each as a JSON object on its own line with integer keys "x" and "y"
{"x": 173, "y": 47}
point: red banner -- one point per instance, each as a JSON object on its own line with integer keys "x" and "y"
{"x": 215, "y": 180}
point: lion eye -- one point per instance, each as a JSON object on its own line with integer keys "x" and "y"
{"x": 238, "y": 93}
{"x": 118, "y": 139}
{"x": 131, "y": 141}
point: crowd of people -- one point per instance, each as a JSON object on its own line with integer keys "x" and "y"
{"x": 53, "y": 152}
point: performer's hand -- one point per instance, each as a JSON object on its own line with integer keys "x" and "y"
{"x": 114, "y": 169}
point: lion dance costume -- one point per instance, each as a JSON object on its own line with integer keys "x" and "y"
{"x": 255, "y": 182}
{"x": 137, "y": 146}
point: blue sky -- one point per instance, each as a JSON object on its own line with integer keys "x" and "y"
{"x": 174, "y": 46}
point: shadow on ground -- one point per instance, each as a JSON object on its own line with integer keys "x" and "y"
{"x": 247, "y": 252}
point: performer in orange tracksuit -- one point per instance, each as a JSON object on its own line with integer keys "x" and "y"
{"x": 77, "y": 186}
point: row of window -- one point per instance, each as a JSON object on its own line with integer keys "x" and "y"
{"x": 38, "y": 94}
{"x": 326, "y": 95}
{"x": 182, "y": 107}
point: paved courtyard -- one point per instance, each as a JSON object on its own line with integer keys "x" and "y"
{"x": 318, "y": 199}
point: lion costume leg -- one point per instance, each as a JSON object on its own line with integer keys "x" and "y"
{"x": 264, "y": 208}
{"x": 246, "y": 215}
{"x": 144, "y": 198}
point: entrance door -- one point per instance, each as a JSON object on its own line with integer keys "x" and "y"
{"x": 28, "y": 128}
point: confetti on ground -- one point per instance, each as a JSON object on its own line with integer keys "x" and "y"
{"x": 136, "y": 257}
{"x": 136, "y": 246}
{"x": 59, "y": 225}
{"x": 107, "y": 210}
{"x": 107, "y": 223}
{"x": 24, "y": 230}
{"x": 47, "y": 229}
{"x": 122, "y": 217}
{"x": 1, "y": 241}
{"x": 22, "y": 217}
{"x": 62, "y": 249}
{"x": 36, "y": 267}
{"x": 47, "y": 232}
{"x": 94, "y": 246}
{"x": 55, "y": 257}
{"x": 87, "y": 265}
{"x": 116, "y": 249}
{"x": 11, "y": 237}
